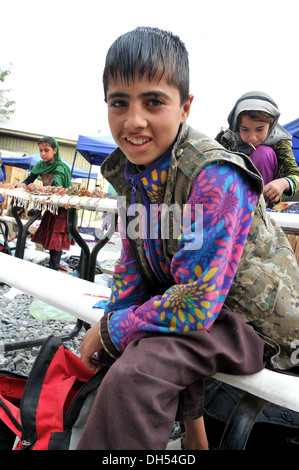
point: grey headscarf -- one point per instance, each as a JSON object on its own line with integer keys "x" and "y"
{"x": 254, "y": 101}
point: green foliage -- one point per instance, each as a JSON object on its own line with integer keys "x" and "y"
{"x": 6, "y": 105}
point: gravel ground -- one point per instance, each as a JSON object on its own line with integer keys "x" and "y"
{"x": 17, "y": 324}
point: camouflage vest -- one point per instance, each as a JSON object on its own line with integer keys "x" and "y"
{"x": 265, "y": 290}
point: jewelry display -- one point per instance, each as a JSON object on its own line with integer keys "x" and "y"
{"x": 55, "y": 196}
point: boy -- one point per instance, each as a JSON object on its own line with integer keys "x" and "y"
{"x": 165, "y": 327}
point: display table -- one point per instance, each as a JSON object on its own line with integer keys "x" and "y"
{"x": 288, "y": 222}
{"x": 286, "y": 214}
{"x": 42, "y": 202}
{"x": 20, "y": 197}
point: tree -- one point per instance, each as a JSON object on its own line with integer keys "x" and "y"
{"x": 6, "y": 105}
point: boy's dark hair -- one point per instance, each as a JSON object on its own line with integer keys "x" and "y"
{"x": 151, "y": 52}
{"x": 48, "y": 140}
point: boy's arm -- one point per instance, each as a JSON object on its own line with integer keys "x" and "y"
{"x": 203, "y": 276}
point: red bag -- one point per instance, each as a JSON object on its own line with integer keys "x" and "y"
{"x": 42, "y": 409}
{"x": 11, "y": 390}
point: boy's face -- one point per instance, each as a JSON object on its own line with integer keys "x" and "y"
{"x": 144, "y": 117}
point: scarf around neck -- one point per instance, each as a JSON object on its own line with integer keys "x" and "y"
{"x": 254, "y": 101}
{"x": 61, "y": 172}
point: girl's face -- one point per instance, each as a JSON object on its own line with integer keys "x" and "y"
{"x": 253, "y": 132}
{"x": 144, "y": 117}
{"x": 46, "y": 152}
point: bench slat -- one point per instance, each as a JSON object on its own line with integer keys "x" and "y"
{"x": 58, "y": 289}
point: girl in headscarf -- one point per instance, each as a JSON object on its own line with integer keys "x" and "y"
{"x": 53, "y": 231}
{"x": 255, "y": 131}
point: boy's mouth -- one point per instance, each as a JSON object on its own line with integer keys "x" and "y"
{"x": 137, "y": 140}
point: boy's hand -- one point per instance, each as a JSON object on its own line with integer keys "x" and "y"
{"x": 91, "y": 344}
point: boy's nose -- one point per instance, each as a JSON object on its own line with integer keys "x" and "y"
{"x": 135, "y": 118}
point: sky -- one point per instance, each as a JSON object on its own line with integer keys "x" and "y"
{"x": 57, "y": 50}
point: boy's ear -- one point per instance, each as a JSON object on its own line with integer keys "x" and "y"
{"x": 186, "y": 109}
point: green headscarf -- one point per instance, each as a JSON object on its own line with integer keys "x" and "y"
{"x": 62, "y": 173}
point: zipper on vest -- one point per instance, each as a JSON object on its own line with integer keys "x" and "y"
{"x": 161, "y": 276}
{"x": 131, "y": 209}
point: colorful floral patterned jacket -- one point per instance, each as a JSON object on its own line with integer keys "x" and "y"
{"x": 227, "y": 252}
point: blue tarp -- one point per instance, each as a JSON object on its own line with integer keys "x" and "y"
{"x": 27, "y": 161}
{"x": 293, "y": 128}
{"x": 95, "y": 149}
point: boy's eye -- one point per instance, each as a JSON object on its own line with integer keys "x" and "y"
{"x": 155, "y": 102}
{"x": 117, "y": 103}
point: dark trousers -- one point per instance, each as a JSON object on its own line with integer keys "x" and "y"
{"x": 160, "y": 376}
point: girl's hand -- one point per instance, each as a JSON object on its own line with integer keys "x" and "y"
{"x": 91, "y": 343}
{"x": 35, "y": 187}
{"x": 274, "y": 190}
{"x": 31, "y": 187}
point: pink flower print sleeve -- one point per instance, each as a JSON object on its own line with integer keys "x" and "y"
{"x": 127, "y": 288}
{"x": 203, "y": 276}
